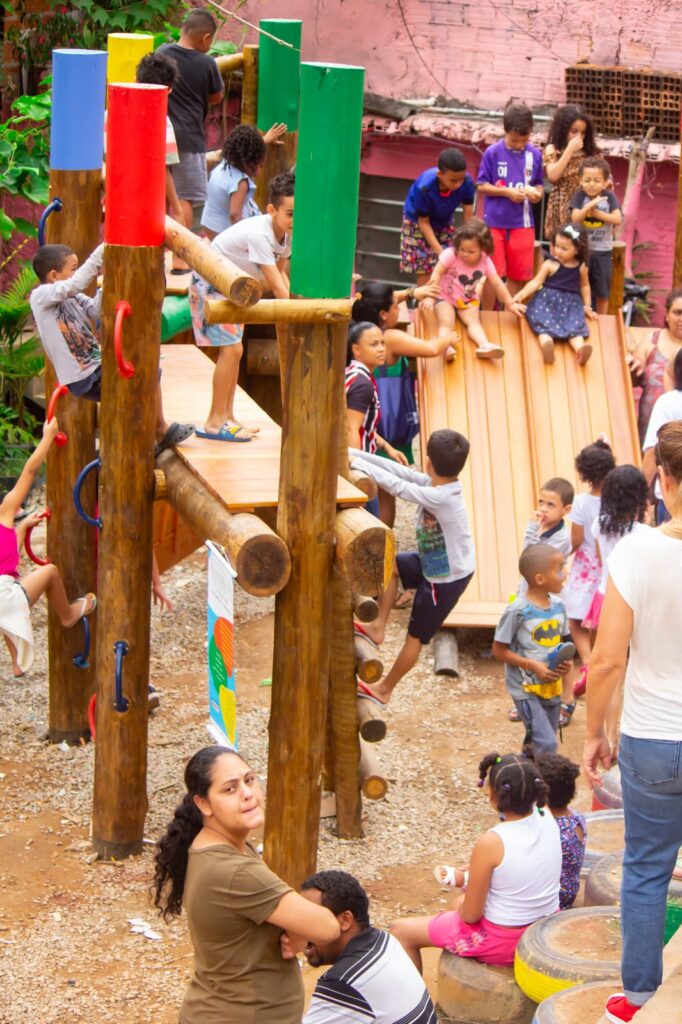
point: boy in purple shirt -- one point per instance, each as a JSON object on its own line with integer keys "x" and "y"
{"x": 429, "y": 211}
{"x": 510, "y": 177}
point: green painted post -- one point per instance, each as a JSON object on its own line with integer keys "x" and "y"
{"x": 327, "y": 180}
{"x": 279, "y": 73}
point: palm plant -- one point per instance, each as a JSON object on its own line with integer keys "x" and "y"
{"x": 20, "y": 360}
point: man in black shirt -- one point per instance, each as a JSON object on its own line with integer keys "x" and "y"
{"x": 198, "y": 87}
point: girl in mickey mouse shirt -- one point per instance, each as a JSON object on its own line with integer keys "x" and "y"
{"x": 460, "y": 273}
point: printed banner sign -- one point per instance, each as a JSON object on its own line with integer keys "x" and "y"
{"x": 222, "y": 695}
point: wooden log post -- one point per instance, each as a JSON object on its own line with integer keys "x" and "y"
{"x": 133, "y": 274}
{"x": 258, "y": 556}
{"x": 262, "y": 357}
{"x": 365, "y": 550}
{"x": 279, "y": 86}
{"x": 79, "y": 82}
{"x": 364, "y": 483}
{"x": 617, "y": 293}
{"x": 368, "y": 664}
{"x": 313, "y": 414}
{"x": 446, "y": 654}
{"x": 249, "y": 84}
{"x": 370, "y": 721}
{"x": 374, "y": 784}
{"x": 365, "y": 609}
{"x": 342, "y": 734}
{"x": 279, "y": 311}
{"x": 240, "y": 288}
{"x": 229, "y": 62}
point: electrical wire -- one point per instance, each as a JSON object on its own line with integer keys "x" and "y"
{"x": 260, "y": 31}
{"x": 416, "y": 49}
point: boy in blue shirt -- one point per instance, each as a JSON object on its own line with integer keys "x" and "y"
{"x": 511, "y": 178}
{"x": 429, "y": 211}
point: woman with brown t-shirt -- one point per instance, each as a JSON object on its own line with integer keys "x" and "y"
{"x": 246, "y": 924}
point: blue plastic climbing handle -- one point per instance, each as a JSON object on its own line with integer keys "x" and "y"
{"x": 78, "y": 486}
{"x": 56, "y": 204}
{"x": 81, "y": 660}
{"x": 120, "y": 651}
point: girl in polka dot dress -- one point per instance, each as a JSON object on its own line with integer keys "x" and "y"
{"x": 561, "y": 299}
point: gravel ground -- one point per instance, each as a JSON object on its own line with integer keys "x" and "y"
{"x": 66, "y": 945}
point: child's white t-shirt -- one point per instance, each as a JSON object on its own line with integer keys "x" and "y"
{"x": 607, "y": 543}
{"x": 251, "y": 244}
{"x": 584, "y": 513}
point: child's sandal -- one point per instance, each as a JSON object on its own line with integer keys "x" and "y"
{"x": 566, "y": 714}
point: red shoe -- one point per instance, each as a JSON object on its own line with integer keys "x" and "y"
{"x": 620, "y": 1010}
{"x": 580, "y": 685}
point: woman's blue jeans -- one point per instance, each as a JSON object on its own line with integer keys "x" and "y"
{"x": 651, "y": 777}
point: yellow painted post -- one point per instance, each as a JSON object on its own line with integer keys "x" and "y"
{"x": 126, "y": 50}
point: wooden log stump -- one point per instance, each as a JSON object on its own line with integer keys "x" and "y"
{"x": 364, "y": 483}
{"x": 365, "y": 550}
{"x": 365, "y": 609}
{"x": 374, "y": 784}
{"x": 278, "y": 311}
{"x": 446, "y": 654}
{"x": 262, "y": 357}
{"x": 476, "y": 993}
{"x": 240, "y": 288}
{"x": 229, "y": 62}
{"x": 71, "y": 542}
{"x": 368, "y": 665}
{"x": 258, "y": 556}
{"x": 371, "y": 723}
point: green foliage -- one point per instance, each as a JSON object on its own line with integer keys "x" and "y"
{"x": 25, "y": 156}
{"x": 19, "y": 362}
{"x": 16, "y": 442}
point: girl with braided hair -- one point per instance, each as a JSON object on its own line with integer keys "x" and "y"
{"x": 512, "y": 879}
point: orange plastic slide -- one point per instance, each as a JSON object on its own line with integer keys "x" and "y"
{"x": 525, "y": 421}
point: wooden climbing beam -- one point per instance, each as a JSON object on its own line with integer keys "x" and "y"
{"x": 229, "y": 62}
{"x": 78, "y": 90}
{"x": 259, "y": 557}
{"x": 228, "y": 279}
{"x": 280, "y": 311}
{"x": 365, "y": 550}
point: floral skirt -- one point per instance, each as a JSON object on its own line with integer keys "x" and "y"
{"x": 582, "y": 584}
{"x": 416, "y": 255}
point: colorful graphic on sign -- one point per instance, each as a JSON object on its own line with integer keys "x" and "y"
{"x": 222, "y": 696}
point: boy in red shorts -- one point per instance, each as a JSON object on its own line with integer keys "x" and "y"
{"x": 510, "y": 178}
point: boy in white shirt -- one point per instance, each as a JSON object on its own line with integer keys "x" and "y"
{"x": 261, "y": 247}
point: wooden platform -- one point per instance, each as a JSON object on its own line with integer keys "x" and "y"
{"x": 244, "y": 477}
{"x": 526, "y": 422}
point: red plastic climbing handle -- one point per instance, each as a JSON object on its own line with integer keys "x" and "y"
{"x": 47, "y": 514}
{"x": 61, "y": 389}
{"x": 123, "y": 309}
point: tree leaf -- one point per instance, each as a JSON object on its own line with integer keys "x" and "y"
{"x": 25, "y": 227}
{"x": 6, "y": 226}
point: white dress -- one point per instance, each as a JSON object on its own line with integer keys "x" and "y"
{"x": 585, "y": 572}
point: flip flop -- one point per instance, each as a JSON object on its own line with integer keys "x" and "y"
{"x": 449, "y": 876}
{"x": 566, "y": 713}
{"x": 228, "y": 432}
{"x": 82, "y": 601}
{"x": 494, "y": 352}
{"x": 364, "y": 693}
{"x": 357, "y": 628}
{"x": 176, "y": 434}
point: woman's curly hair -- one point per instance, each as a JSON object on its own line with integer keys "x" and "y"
{"x": 244, "y": 149}
{"x": 623, "y": 501}
{"x": 560, "y": 774}
{"x": 561, "y": 125}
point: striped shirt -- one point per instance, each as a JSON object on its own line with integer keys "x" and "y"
{"x": 373, "y": 980}
{"x": 362, "y": 396}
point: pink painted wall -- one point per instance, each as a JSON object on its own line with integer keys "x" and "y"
{"x": 475, "y": 50}
{"x": 400, "y": 156}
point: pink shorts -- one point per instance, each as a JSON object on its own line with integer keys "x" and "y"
{"x": 490, "y": 943}
{"x": 514, "y": 252}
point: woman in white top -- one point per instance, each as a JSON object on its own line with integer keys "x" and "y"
{"x": 513, "y": 877}
{"x": 666, "y": 408}
{"x": 642, "y": 614}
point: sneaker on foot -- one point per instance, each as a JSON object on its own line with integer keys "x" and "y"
{"x": 620, "y": 1010}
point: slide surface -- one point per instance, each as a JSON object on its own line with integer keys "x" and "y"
{"x": 526, "y": 422}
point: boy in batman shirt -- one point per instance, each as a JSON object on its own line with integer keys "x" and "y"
{"x": 532, "y": 640}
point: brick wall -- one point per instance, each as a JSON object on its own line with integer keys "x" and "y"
{"x": 480, "y": 51}
{"x": 10, "y": 72}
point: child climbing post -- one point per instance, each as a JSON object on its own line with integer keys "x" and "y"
{"x": 261, "y": 246}
{"x": 441, "y": 568}
{"x": 19, "y": 593}
{"x": 512, "y": 878}
{"x": 533, "y": 641}
{"x": 560, "y": 299}
{"x": 64, "y": 316}
{"x": 461, "y": 273}
{"x": 510, "y": 178}
{"x": 429, "y": 212}
{"x": 596, "y": 208}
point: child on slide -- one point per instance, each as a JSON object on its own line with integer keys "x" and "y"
{"x": 561, "y": 298}
{"x": 18, "y": 594}
{"x": 513, "y": 877}
{"x": 461, "y": 272}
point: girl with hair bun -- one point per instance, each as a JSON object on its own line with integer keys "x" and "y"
{"x": 245, "y": 923}
{"x": 513, "y": 877}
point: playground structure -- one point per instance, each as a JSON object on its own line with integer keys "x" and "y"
{"x": 278, "y": 519}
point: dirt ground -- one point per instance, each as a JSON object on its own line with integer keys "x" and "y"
{"x": 67, "y": 948}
